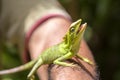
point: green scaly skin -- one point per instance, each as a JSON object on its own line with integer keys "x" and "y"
{"x": 57, "y": 54}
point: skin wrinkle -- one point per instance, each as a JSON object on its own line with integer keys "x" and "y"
{"x": 78, "y": 68}
{"x": 85, "y": 69}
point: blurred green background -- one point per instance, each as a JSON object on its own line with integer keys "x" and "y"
{"x": 103, "y": 33}
{"x": 102, "y": 36}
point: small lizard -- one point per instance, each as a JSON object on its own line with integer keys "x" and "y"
{"x": 57, "y": 54}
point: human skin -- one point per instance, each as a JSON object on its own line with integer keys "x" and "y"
{"x": 49, "y": 33}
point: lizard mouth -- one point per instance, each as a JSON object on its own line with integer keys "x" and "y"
{"x": 81, "y": 29}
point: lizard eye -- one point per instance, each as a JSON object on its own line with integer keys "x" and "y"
{"x": 72, "y": 29}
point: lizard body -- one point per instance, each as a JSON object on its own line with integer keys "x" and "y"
{"x": 67, "y": 49}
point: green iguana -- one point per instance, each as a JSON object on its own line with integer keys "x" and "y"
{"x": 57, "y": 54}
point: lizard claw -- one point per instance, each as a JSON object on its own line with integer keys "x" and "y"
{"x": 71, "y": 65}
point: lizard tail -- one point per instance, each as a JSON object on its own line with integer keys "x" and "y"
{"x": 18, "y": 69}
{"x": 35, "y": 67}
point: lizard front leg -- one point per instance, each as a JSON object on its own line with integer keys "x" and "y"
{"x": 59, "y": 61}
{"x": 85, "y": 59}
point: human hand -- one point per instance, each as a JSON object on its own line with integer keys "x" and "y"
{"x": 51, "y": 33}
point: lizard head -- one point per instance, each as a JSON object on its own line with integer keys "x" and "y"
{"x": 75, "y": 34}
